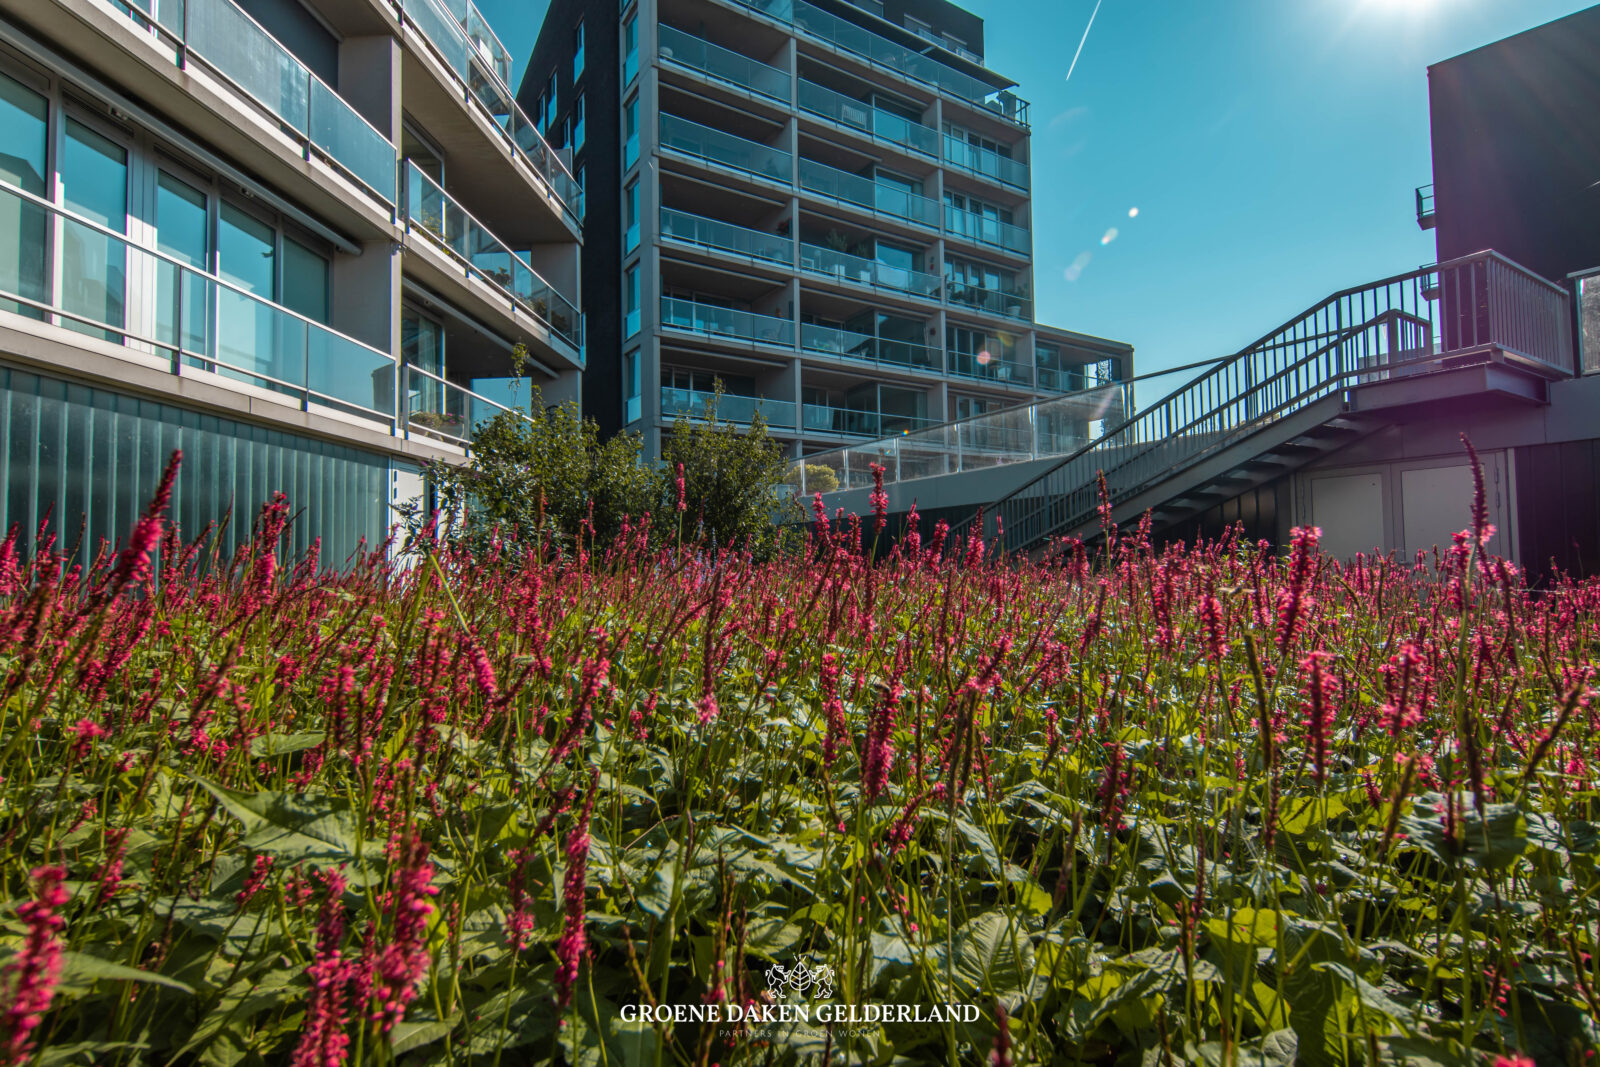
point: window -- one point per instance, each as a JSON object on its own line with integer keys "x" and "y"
{"x": 630, "y": 131}
{"x": 630, "y": 301}
{"x": 94, "y": 184}
{"x": 577, "y": 122}
{"x": 632, "y": 387}
{"x": 549, "y": 98}
{"x": 577, "y": 50}
{"x": 23, "y": 130}
{"x": 630, "y": 49}
{"x": 630, "y": 216}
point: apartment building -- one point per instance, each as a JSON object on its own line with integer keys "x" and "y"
{"x": 297, "y": 239}
{"x": 825, "y": 206}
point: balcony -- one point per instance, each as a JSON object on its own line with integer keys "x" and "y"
{"x": 875, "y": 122}
{"x": 712, "y": 321}
{"x": 694, "y": 404}
{"x": 1062, "y": 380}
{"x": 828, "y": 263}
{"x": 855, "y": 422}
{"x": 433, "y": 211}
{"x": 849, "y": 37}
{"x": 985, "y": 230}
{"x": 725, "y": 237}
{"x": 985, "y": 163}
{"x": 167, "y": 314}
{"x": 1588, "y": 293}
{"x": 1003, "y": 369}
{"x": 443, "y": 411}
{"x": 1006, "y": 302}
{"x": 724, "y": 149}
{"x": 476, "y": 66}
{"x": 865, "y": 193}
{"x": 1425, "y": 211}
{"x": 724, "y": 65}
{"x": 865, "y": 348}
{"x": 234, "y": 46}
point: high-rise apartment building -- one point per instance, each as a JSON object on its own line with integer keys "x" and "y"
{"x": 298, "y": 239}
{"x": 825, "y": 205}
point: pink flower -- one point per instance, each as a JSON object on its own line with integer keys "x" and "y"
{"x": 37, "y": 966}
{"x": 1318, "y": 709}
{"x": 879, "y": 499}
{"x": 1516, "y": 1059}
{"x": 832, "y": 708}
{"x": 323, "y": 1040}
{"x": 260, "y": 871}
{"x": 683, "y": 496}
{"x": 402, "y": 963}
{"x": 85, "y": 734}
{"x": 573, "y": 945}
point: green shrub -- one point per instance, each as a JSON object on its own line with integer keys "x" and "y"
{"x": 820, "y": 478}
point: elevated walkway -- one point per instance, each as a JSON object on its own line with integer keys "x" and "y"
{"x": 1479, "y": 330}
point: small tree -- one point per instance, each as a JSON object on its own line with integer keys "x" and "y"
{"x": 543, "y": 471}
{"x": 733, "y": 482}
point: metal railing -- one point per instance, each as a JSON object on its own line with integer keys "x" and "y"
{"x": 1428, "y": 320}
{"x": 715, "y": 146}
{"x": 986, "y": 230}
{"x": 481, "y": 84}
{"x": 714, "y": 321}
{"x": 726, "y": 237}
{"x": 864, "y": 192}
{"x": 235, "y": 46}
{"x": 437, "y": 408}
{"x": 985, "y": 162}
{"x": 817, "y": 259}
{"x": 884, "y": 125}
{"x": 864, "y": 347}
{"x": 695, "y": 403}
{"x": 156, "y": 305}
{"x": 1019, "y": 434}
{"x": 432, "y": 210}
{"x": 723, "y": 64}
{"x": 1012, "y": 305}
{"x": 1587, "y": 285}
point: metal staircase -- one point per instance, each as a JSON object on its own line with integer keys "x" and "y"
{"x": 1285, "y": 400}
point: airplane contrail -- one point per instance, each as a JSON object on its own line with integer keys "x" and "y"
{"x": 1071, "y": 66}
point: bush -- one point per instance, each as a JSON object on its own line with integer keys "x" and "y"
{"x": 543, "y": 471}
{"x": 820, "y": 478}
{"x": 732, "y": 479}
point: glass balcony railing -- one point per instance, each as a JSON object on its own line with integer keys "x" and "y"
{"x": 825, "y": 418}
{"x": 816, "y": 259}
{"x": 1589, "y": 322}
{"x": 996, "y": 301}
{"x": 1062, "y": 379}
{"x": 234, "y": 45}
{"x": 850, "y": 37}
{"x": 477, "y": 65}
{"x": 484, "y": 41}
{"x": 448, "y": 223}
{"x": 714, "y": 321}
{"x": 864, "y": 192}
{"x": 988, "y": 231}
{"x": 985, "y": 162}
{"x": 715, "y": 146}
{"x": 106, "y": 286}
{"x": 848, "y": 344}
{"x": 723, "y": 64}
{"x": 881, "y": 124}
{"x": 985, "y": 366}
{"x": 694, "y": 403}
{"x": 1054, "y": 427}
{"x": 725, "y": 237}
{"x": 440, "y": 409}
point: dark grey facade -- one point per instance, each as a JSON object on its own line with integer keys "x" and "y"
{"x": 824, "y": 206}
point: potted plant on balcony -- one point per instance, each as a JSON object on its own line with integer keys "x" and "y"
{"x": 447, "y": 421}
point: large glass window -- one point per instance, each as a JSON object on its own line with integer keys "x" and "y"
{"x": 23, "y": 225}
{"x": 94, "y": 184}
{"x": 577, "y": 122}
{"x": 305, "y": 280}
{"x": 577, "y": 50}
{"x": 632, "y": 387}
{"x": 183, "y": 232}
{"x": 247, "y": 252}
{"x": 630, "y": 131}
{"x": 630, "y": 301}
{"x": 630, "y": 216}
{"x": 630, "y": 49}
{"x": 422, "y": 346}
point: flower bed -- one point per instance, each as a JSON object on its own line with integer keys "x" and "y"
{"x": 651, "y": 805}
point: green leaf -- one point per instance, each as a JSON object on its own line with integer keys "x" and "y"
{"x": 296, "y": 827}
{"x": 993, "y": 957}
{"x": 1371, "y": 997}
{"x": 275, "y": 744}
{"x": 79, "y": 969}
{"x": 414, "y": 1035}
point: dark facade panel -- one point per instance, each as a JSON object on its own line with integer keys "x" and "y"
{"x": 601, "y": 163}
{"x": 1516, "y": 147}
{"x": 1558, "y": 508}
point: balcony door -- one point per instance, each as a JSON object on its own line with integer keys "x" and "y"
{"x": 92, "y": 249}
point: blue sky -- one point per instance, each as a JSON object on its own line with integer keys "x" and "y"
{"x": 1270, "y": 147}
